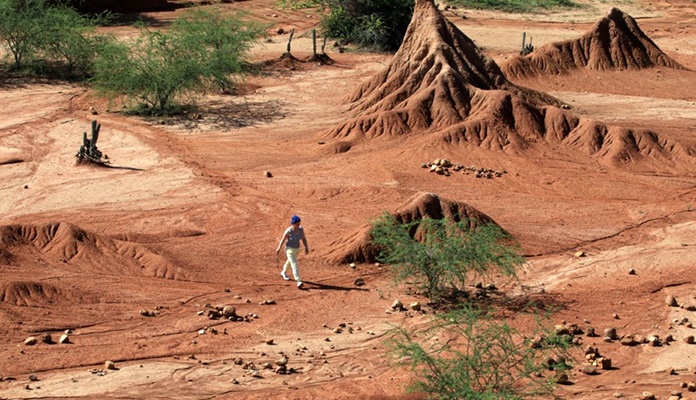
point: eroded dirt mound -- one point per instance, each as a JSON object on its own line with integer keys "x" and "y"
{"x": 31, "y": 294}
{"x": 614, "y": 42}
{"x": 78, "y": 250}
{"x": 358, "y": 246}
{"x": 437, "y": 78}
{"x": 439, "y": 83}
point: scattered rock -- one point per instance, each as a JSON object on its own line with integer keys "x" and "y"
{"x": 415, "y": 306}
{"x": 229, "y": 312}
{"x": 647, "y": 396}
{"x": 689, "y": 339}
{"x": 47, "y": 338}
{"x": 671, "y": 301}
{"x": 589, "y": 369}
{"x": 30, "y": 341}
{"x": 397, "y": 306}
{"x": 64, "y": 339}
{"x": 109, "y": 365}
{"x": 610, "y": 333}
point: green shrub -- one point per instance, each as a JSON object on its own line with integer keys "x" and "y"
{"x": 515, "y": 5}
{"x": 20, "y": 29}
{"x": 442, "y": 255}
{"x": 223, "y": 42}
{"x": 71, "y": 39}
{"x": 470, "y": 355}
{"x": 45, "y": 35}
{"x": 159, "y": 68}
{"x": 372, "y": 24}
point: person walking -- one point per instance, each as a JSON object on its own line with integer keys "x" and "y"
{"x": 292, "y": 237}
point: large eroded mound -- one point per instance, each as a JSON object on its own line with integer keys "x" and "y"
{"x": 614, "y": 42}
{"x": 358, "y": 247}
{"x": 441, "y": 85}
{"x": 72, "y": 249}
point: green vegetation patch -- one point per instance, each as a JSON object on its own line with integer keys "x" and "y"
{"x": 515, "y": 6}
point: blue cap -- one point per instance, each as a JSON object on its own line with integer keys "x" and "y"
{"x": 295, "y": 219}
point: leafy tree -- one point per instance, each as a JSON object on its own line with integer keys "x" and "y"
{"x": 441, "y": 255}
{"x": 482, "y": 358}
{"x": 372, "y": 24}
{"x": 71, "y": 39}
{"x": 224, "y": 42}
{"x": 20, "y": 29}
{"x": 159, "y": 67}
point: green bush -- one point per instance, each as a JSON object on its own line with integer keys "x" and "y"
{"x": 223, "y": 42}
{"x": 20, "y": 29}
{"x": 371, "y": 24}
{"x": 442, "y": 255}
{"x": 516, "y": 6}
{"x": 470, "y": 355}
{"x": 43, "y": 36}
{"x": 159, "y": 68}
{"x": 70, "y": 39}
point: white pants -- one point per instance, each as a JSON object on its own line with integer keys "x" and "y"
{"x": 292, "y": 261}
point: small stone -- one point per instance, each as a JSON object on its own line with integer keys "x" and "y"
{"x": 617, "y": 395}
{"x": 579, "y": 254}
{"x": 267, "y": 174}
{"x": 605, "y": 363}
{"x": 229, "y": 311}
{"x": 647, "y": 396}
{"x": 397, "y": 306}
{"x": 589, "y": 369}
{"x": 269, "y": 342}
{"x": 359, "y": 282}
{"x": 415, "y": 306}
{"x": 64, "y": 339}
{"x": 30, "y": 341}
{"x": 689, "y": 339}
{"x": 109, "y": 365}
{"x": 610, "y": 333}
{"x": 671, "y": 301}
{"x": 352, "y": 265}
{"x": 631, "y": 271}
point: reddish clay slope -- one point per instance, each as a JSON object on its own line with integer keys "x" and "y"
{"x": 64, "y": 244}
{"x": 357, "y": 247}
{"x": 440, "y": 84}
{"x": 614, "y": 42}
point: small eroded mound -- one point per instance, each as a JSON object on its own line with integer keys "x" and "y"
{"x": 614, "y": 42}
{"x": 31, "y": 294}
{"x": 357, "y": 247}
{"x": 85, "y": 252}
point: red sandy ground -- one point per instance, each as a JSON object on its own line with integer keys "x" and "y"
{"x": 188, "y": 219}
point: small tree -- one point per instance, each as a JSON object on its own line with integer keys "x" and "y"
{"x": 20, "y": 29}
{"x": 71, "y": 39}
{"x": 482, "y": 359}
{"x": 222, "y": 41}
{"x": 442, "y": 255}
{"x": 373, "y": 24}
{"x": 159, "y": 67}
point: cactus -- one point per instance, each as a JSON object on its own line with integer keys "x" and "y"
{"x": 88, "y": 151}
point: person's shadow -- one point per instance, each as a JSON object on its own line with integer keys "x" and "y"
{"x": 322, "y": 286}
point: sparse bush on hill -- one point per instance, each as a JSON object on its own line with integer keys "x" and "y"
{"x": 442, "y": 255}
{"x": 481, "y": 359}
{"x": 159, "y": 68}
